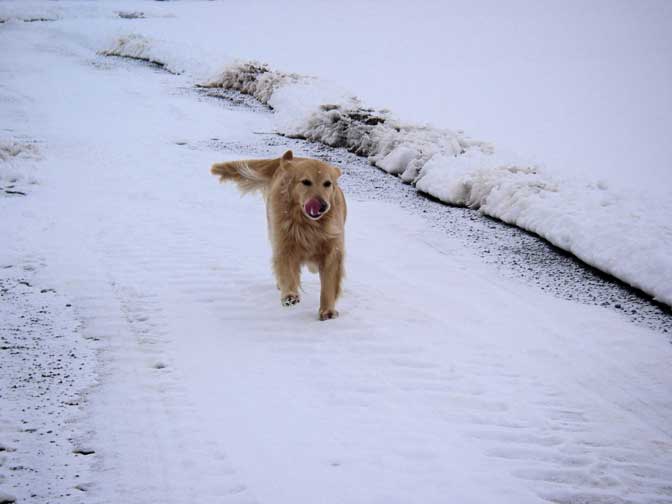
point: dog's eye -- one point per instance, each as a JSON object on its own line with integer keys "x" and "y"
{"x": 306, "y": 182}
{"x": 327, "y": 183}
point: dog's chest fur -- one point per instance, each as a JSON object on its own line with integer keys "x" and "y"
{"x": 302, "y": 236}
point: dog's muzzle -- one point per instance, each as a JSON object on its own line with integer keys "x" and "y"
{"x": 315, "y": 208}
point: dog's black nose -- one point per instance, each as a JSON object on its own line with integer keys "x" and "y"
{"x": 323, "y": 206}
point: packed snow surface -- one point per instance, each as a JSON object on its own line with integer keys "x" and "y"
{"x": 442, "y": 381}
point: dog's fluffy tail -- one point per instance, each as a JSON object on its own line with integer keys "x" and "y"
{"x": 251, "y": 174}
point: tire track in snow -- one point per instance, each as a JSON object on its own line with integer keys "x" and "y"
{"x": 177, "y": 463}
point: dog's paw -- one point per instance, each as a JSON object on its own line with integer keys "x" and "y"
{"x": 328, "y": 314}
{"x": 290, "y": 300}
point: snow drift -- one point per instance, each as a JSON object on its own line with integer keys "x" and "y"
{"x": 17, "y": 165}
{"x": 626, "y": 235}
{"x": 136, "y": 47}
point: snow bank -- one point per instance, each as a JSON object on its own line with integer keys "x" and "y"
{"x": 176, "y": 57}
{"x": 136, "y": 46}
{"x": 16, "y": 167}
{"x": 254, "y": 79}
{"x": 30, "y": 11}
{"x": 625, "y": 235}
{"x": 10, "y": 149}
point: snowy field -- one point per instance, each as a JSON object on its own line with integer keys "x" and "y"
{"x": 144, "y": 354}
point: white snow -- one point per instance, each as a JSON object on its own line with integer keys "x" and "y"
{"x": 626, "y": 235}
{"x": 583, "y": 216}
{"x": 441, "y": 381}
{"x": 625, "y": 231}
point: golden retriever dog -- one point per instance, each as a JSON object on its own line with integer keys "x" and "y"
{"x": 306, "y": 212}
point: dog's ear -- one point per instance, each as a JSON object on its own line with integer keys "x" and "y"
{"x": 336, "y": 171}
{"x": 288, "y": 156}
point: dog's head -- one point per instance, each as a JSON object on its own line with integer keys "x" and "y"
{"x": 313, "y": 184}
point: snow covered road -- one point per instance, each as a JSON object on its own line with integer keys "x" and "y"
{"x": 443, "y": 381}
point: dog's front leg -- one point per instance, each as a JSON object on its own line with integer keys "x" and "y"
{"x": 331, "y": 273}
{"x": 288, "y": 275}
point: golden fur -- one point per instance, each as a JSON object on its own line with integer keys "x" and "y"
{"x": 306, "y": 214}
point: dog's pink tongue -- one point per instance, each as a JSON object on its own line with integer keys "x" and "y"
{"x": 313, "y": 207}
